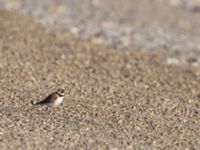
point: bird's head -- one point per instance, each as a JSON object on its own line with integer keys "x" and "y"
{"x": 60, "y": 92}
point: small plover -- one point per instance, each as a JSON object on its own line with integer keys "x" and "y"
{"x": 53, "y": 100}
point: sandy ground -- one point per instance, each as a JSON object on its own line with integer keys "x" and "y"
{"x": 113, "y": 99}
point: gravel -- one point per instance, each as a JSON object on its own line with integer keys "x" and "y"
{"x": 114, "y": 99}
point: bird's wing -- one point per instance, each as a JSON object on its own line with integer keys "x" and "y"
{"x": 49, "y": 99}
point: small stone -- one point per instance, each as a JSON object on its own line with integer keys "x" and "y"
{"x": 74, "y": 30}
{"x": 172, "y": 61}
{"x": 63, "y": 56}
{"x": 120, "y": 121}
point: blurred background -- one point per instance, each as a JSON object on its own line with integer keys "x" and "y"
{"x": 172, "y": 25}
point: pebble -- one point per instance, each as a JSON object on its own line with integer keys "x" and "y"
{"x": 172, "y": 61}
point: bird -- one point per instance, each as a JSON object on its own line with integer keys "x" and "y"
{"x": 53, "y": 100}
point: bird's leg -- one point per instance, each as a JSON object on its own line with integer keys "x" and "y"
{"x": 53, "y": 110}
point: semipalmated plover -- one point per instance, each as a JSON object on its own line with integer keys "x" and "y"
{"x": 53, "y": 100}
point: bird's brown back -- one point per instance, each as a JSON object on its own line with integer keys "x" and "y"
{"x": 50, "y": 99}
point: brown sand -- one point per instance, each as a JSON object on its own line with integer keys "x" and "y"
{"x": 114, "y": 99}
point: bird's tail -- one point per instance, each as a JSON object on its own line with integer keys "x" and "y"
{"x": 33, "y": 103}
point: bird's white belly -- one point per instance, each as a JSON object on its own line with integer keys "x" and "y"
{"x": 58, "y": 101}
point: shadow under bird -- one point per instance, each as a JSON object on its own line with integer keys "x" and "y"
{"x": 53, "y": 100}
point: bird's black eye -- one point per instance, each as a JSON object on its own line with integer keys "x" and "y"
{"x": 61, "y": 90}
